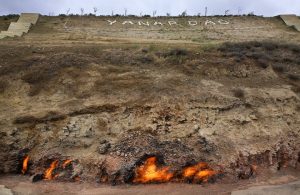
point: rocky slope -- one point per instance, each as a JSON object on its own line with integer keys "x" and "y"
{"x": 235, "y": 106}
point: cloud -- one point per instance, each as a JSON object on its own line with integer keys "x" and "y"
{"x": 175, "y": 7}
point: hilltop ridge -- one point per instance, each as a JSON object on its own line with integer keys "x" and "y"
{"x": 166, "y": 29}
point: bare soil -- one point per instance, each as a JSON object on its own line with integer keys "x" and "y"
{"x": 22, "y": 185}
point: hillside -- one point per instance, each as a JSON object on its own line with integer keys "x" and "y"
{"x": 109, "y": 96}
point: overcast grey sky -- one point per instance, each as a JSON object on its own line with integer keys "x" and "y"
{"x": 175, "y": 7}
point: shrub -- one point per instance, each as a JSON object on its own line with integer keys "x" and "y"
{"x": 262, "y": 63}
{"x": 145, "y": 59}
{"x": 33, "y": 77}
{"x": 256, "y": 55}
{"x": 145, "y": 50}
{"x": 178, "y": 52}
{"x": 257, "y": 44}
{"x": 296, "y": 49}
{"x": 294, "y": 77}
{"x": 11, "y": 16}
{"x": 279, "y": 68}
{"x": 292, "y": 47}
{"x": 35, "y": 90}
{"x": 270, "y": 46}
{"x": 238, "y": 93}
{"x": 238, "y": 59}
{"x": 287, "y": 60}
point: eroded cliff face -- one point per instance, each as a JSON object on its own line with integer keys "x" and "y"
{"x": 234, "y": 106}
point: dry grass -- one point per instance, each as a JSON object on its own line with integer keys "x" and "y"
{"x": 130, "y": 69}
{"x": 264, "y": 53}
{"x": 175, "y": 56}
{"x": 265, "y": 45}
{"x": 41, "y": 72}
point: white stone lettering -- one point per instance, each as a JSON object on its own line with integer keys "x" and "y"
{"x": 158, "y": 23}
{"x": 127, "y": 22}
{"x": 172, "y": 23}
{"x": 143, "y": 23}
{"x": 111, "y": 22}
{"x": 223, "y": 22}
{"x": 193, "y": 23}
{"x": 207, "y": 22}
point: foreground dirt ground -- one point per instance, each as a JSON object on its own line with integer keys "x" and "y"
{"x": 108, "y": 100}
{"x": 284, "y": 182}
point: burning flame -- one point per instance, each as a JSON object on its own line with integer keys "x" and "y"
{"x": 199, "y": 172}
{"x": 25, "y": 164}
{"x": 191, "y": 171}
{"x": 205, "y": 175}
{"x": 149, "y": 172}
{"x": 66, "y": 163}
{"x": 48, "y": 173}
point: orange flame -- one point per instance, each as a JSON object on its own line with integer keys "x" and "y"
{"x": 48, "y": 173}
{"x": 25, "y": 164}
{"x": 66, "y": 163}
{"x": 205, "y": 175}
{"x": 149, "y": 172}
{"x": 199, "y": 172}
{"x": 191, "y": 171}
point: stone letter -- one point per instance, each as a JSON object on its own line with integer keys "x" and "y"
{"x": 193, "y": 23}
{"x": 223, "y": 22}
{"x": 142, "y": 23}
{"x": 207, "y": 22}
{"x": 158, "y": 23}
{"x": 172, "y": 23}
{"x": 111, "y": 22}
{"x": 127, "y": 22}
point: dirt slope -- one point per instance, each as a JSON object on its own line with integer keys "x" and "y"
{"x": 107, "y": 98}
